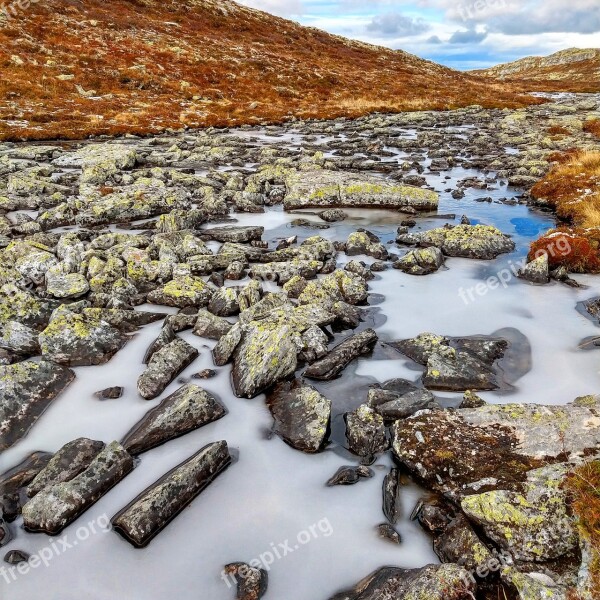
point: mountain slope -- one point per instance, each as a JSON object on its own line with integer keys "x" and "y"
{"x": 75, "y": 67}
{"x": 573, "y": 70}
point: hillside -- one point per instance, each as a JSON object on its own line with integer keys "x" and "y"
{"x": 573, "y": 70}
{"x": 71, "y": 68}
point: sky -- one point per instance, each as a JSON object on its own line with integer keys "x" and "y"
{"x": 463, "y": 34}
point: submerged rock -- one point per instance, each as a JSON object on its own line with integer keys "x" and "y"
{"x": 55, "y": 507}
{"x": 152, "y": 510}
{"x": 301, "y": 415}
{"x": 342, "y": 355}
{"x": 164, "y": 366}
{"x": 26, "y": 391}
{"x": 189, "y": 408}
{"x": 67, "y": 463}
{"x": 399, "y": 403}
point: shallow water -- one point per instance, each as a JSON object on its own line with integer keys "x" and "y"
{"x": 274, "y": 493}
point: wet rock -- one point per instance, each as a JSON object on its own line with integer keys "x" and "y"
{"x": 362, "y": 242}
{"x": 10, "y": 507}
{"x": 335, "y": 189}
{"x": 78, "y": 340}
{"x": 187, "y": 409}
{"x": 365, "y": 432}
{"x": 13, "y": 480}
{"x": 55, "y": 507}
{"x": 301, "y": 416}
{"x": 422, "y": 261}
{"x": 182, "y": 292}
{"x": 205, "y": 374}
{"x": 26, "y": 391}
{"x": 210, "y": 326}
{"x": 467, "y": 241}
{"x": 251, "y": 582}
{"x": 72, "y": 459}
{"x": 387, "y": 532}
{"x": 152, "y": 510}
{"x": 433, "y": 516}
{"x": 532, "y": 524}
{"x": 472, "y": 400}
{"x": 393, "y": 405}
{"x": 166, "y": 336}
{"x": 434, "y": 582}
{"x": 333, "y": 215}
{"x": 391, "y": 496}
{"x": 342, "y": 355}
{"x": 235, "y": 234}
{"x": 537, "y": 271}
{"x": 16, "y": 557}
{"x": 111, "y": 393}
{"x": 164, "y": 366}
{"x": 349, "y": 475}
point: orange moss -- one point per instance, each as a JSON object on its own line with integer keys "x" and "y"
{"x": 558, "y": 130}
{"x": 592, "y": 126}
{"x": 576, "y": 249}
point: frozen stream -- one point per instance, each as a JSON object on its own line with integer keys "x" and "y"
{"x": 274, "y": 494}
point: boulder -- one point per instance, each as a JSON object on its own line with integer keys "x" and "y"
{"x": 422, "y": 261}
{"x": 365, "y": 432}
{"x": 182, "y": 292}
{"x": 536, "y": 271}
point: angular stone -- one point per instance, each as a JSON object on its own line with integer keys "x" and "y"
{"x": 251, "y": 582}
{"x": 235, "y": 234}
{"x": 391, "y": 496}
{"x": 537, "y": 271}
{"x": 365, "y": 432}
{"x": 421, "y": 261}
{"x": 210, "y": 326}
{"x": 182, "y": 292}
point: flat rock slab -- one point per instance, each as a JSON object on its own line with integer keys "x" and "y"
{"x": 302, "y": 415}
{"x": 55, "y": 507}
{"x": 18, "y": 477}
{"x": 150, "y": 512}
{"x": 236, "y": 234}
{"x": 189, "y": 408}
{"x": 333, "y": 189}
{"x": 26, "y": 391}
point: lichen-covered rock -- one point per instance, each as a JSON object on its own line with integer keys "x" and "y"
{"x": 365, "y": 432}
{"x": 467, "y": 241}
{"x": 182, "y": 292}
{"x": 361, "y": 242}
{"x": 330, "y": 366}
{"x": 433, "y": 582}
{"x": 337, "y": 286}
{"x": 189, "y": 408}
{"x": 166, "y": 336}
{"x": 210, "y": 326}
{"x": 235, "y": 234}
{"x": 34, "y": 264}
{"x": 22, "y": 306}
{"x": 99, "y": 162}
{"x": 77, "y": 340}
{"x": 421, "y": 261}
{"x": 26, "y": 390}
{"x": 19, "y": 338}
{"x": 251, "y": 582}
{"x": 333, "y": 215}
{"x": 55, "y": 507}
{"x": 333, "y": 189}
{"x": 66, "y": 285}
{"x": 67, "y": 463}
{"x": 536, "y": 271}
{"x": 152, "y": 510}
{"x": 398, "y": 399}
{"x": 224, "y": 302}
{"x": 532, "y": 524}
{"x": 535, "y": 586}
{"x": 164, "y": 366}
{"x": 301, "y": 415}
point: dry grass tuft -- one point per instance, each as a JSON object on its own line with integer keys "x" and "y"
{"x": 592, "y": 126}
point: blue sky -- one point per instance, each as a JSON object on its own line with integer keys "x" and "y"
{"x": 463, "y": 34}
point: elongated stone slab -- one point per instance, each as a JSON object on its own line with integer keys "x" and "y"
{"x": 57, "y": 506}
{"x": 67, "y": 463}
{"x": 14, "y": 479}
{"x": 189, "y": 408}
{"x": 150, "y": 512}
{"x": 26, "y": 390}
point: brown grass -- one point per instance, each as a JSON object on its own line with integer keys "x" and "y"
{"x": 573, "y": 188}
{"x": 592, "y": 126}
{"x": 157, "y": 64}
{"x": 584, "y": 487}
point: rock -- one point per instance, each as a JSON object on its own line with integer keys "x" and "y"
{"x": 422, "y": 261}
{"x": 111, "y": 393}
{"x": 205, "y": 374}
{"x": 72, "y": 459}
{"x": 362, "y": 242}
{"x": 314, "y": 345}
{"x": 225, "y": 302}
{"x": 15, "y": 479}
{"x": 210, "y": 326}
{"x": 301, "y": 416}
{"x": 472, "y": 400}
{"x": 164, "y": 366}
{"x": 532, "y": 524}
{"x": 187, "y": 409}
{"x": 16, "y": 557}
{"x": 100, "y": 162}
{"x": 467, "y": 241}
{"x": 335, "y": 189}
{"x": 333, "y": 215}
{"x": 235, "y": 234}
{"x": 22, "y": 306}
{"x": 19, "y": 338}
{"x": 26, "y": 391}
{"x": 55, "y": 507}
{"x": 387, "y": 532}
{"x": 339, "y": 286}
{"x": 182, "y": 292}
{"x": 391, "y": 492}
{"x": 433, "y": 515}
{"x": 166, "y": 336}
{"x": 152, "y": 510}
{"x": 251, "y": 582}
{"x": 235, "y": 271}
{"x": 392, "y": 405}
{"x": 78, "y": 340}
{"x": 66, "y": 285}
{"x": 342, "y": 355}
{"x": 433, "y": 582}
{"x": 531, "y": 586}
{"x": 360, "y": 269}
{"x": 537, "y": 271}
{"x": 365, "y": 432}
{"x": 349, "y": 475}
